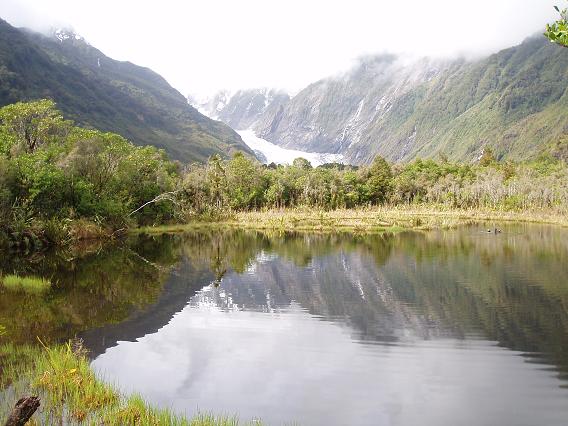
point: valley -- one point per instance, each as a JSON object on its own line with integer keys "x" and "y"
{"x": 405, "y": 108}
{"x": 355, "y": 215}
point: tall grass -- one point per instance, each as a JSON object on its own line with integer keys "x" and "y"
{"x": 388, "y": 218}
{"x": 72, "y": 393}
{"x": 26, "y": 284}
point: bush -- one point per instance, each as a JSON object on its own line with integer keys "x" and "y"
{"x": 52, "y": 173}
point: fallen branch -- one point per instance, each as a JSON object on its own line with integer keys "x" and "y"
{"x": 23, "y": 411}
{"x": 166, "y": 196}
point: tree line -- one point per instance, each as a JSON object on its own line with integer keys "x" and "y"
{"x": 59, "y": 181}
{"x": 242, "y": 183}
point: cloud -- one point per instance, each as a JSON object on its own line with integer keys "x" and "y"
{"x": 202, "y": 46}
{"x": 23, "y": 14}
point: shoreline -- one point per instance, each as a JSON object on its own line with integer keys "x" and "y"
{"x": 71, "y": 391}
{"x": 371, "y": 220}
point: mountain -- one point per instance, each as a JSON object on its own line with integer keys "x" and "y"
{"x": 242, "y": 109}
{"x": 211, "y": 106}
{"x": 97, "y": 91}
{"x": 514, "y": 101}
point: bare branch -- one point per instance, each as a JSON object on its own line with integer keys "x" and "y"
{"x": 166, "y": 196}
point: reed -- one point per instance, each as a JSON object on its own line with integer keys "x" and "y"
{"x": 26, "y": 284}
{"x": 72, "y": 393}
{"x": 392, "y": 218}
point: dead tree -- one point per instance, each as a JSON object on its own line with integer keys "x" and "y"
{"x": 23, "y": 411}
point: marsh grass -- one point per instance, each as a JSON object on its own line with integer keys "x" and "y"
{"x": 72, "y": 393}
{"x": 26, "y": 284}
{"x": 364, "y": 220}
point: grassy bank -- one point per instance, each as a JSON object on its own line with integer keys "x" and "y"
{"x": 72, "y": 393}
{"x": 25, "y": 284}
{"x": 376, "y": 219}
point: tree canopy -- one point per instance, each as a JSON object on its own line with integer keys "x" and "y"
{"x": 52, "y": 172}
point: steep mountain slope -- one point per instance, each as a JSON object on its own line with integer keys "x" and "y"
{"x": 95, "y": 90}
{"x": 515, "y": 101}
{"x": 243, "y": 108}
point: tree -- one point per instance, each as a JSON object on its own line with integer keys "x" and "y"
{"x": 487, "y": 158}
{"x": 379, "y": 180}
{"x": 96, "y": 156}
{"x": 302, "y": 163}
{"x": 217, "y": 179}
{"x": 557, "y": 32}
{"x": 30, "y": 125}
{"x": 245, "y": 185}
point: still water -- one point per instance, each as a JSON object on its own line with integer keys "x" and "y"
{"x": 454, "y": 327}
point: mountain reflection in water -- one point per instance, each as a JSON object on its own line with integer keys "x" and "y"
{"x": 432, "y": 328}
{"x": 444, "y": 327}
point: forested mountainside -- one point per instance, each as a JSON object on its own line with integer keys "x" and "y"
{"x": 97, "y": 91}
{"x": 514, "y": 101}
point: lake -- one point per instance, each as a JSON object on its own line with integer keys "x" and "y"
{"x": 458, "y": 327}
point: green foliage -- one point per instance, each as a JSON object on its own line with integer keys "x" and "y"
{"x": 302, "y": 163}
{"x": 52, "y": 172}
{"x": 245, "y": 181}
{"x": 379, "y": 181}
{"x": 241, "y": 184}
{"x": 26, "y": 284}
{"x": 557, "y": 32}
{"x": 27, "y": 126}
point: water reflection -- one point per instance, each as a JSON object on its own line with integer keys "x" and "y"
{"x": 454, "y": 327}
{"x": 414, "y": 328}
{"x": 89, "y": 289}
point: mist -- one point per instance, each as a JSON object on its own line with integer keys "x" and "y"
{"x": 201, "y": 47}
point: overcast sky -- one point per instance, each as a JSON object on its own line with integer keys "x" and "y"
{"x": 203, "y": 46}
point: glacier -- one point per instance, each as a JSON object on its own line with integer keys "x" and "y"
{"x": 275, "y": 154}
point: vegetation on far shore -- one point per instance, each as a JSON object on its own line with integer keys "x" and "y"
{"x": 72, "y": 393}
{"x": 60, "y": 183}
{"x": 366, "y": 220}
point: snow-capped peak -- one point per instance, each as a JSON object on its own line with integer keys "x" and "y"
{"x": 211, "y": 106}
{"x": 63, "y": 34}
